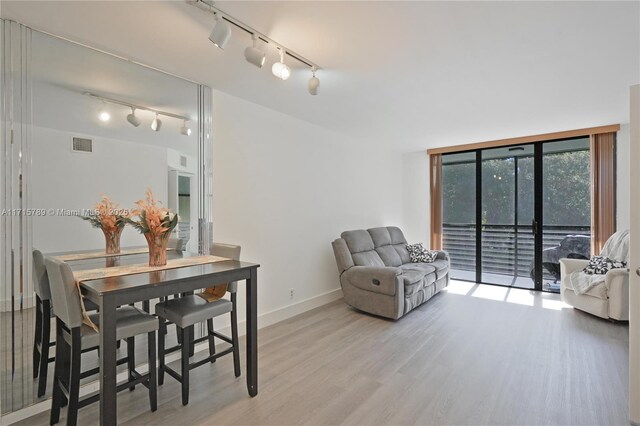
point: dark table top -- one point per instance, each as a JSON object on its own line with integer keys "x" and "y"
{"x": 154, "y": 278}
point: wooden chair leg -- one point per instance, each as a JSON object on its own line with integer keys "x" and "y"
{"x": 131, "y": 359}
{"x": 234, "y": 336}
{"x": 212, "y": 342}
{"x": 185, "y": 365}
{"x": 153, "y": 383}
{"x": 162, "y": 332}
{"x": 74, "y": 377}
{"x": 37, "y": 338}
{"x": 44, "y": 348}
{"x": 58, "y": 396}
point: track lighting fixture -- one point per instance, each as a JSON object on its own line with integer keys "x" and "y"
{"x": 253, "y": 55}
{"x": 104, "y": 114}
{"x": 156, "y": 123}
{"x": 221, "y": 32}
{"x": 280, "y": 69}
{"x": 314, "y": 82}
{"x": 185, "y": 130}
{"x": 131, "y": 118}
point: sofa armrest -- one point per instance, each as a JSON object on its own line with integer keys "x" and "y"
{"x": 382, "y": 280}
{"x": 443, "y": 255}
{"x": 617, "y": 282}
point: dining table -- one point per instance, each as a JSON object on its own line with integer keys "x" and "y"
{"x": 109, "y": 292}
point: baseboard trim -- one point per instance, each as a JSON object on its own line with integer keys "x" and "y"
{"x": 264, "y": 320}
{"x": 277, "y": 315}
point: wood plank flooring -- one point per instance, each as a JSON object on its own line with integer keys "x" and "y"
{"x": 472, "y": 355}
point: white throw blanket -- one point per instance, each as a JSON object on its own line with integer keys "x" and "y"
{"x": 617, "y": 248}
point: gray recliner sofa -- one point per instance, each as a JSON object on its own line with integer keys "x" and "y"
{"x": 377, "y": 275}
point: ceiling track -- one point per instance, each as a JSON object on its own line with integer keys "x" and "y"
{"x": 134, "y": 106}
{"x": 207, "y": 6}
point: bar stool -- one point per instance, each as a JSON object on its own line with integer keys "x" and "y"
{"x": 72, "y": 336}
{"x": 44, "y": 313}
{"x": 189, "y": 310}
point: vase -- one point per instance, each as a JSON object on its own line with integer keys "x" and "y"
{"x": 157, "y": 249}
{"x": 112, "y": 240}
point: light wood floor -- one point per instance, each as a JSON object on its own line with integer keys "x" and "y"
{"x": 472, "y": 355}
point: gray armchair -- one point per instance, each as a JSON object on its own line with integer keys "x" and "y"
{"x": 377, "y": 276}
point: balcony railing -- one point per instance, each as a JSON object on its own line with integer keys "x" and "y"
{"x": 506, "y": 249}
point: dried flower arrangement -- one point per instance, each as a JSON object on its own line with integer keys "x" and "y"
{"x": 155, "y": 223}
{"x": 111, "y": 220}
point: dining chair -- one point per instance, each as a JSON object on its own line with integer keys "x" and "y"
{"x": 42, "y": 335}
{"x": 188, "y": 310}
{"x": 72, "y": 336}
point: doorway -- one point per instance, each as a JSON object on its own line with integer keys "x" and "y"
{"x": 510, "y": 213}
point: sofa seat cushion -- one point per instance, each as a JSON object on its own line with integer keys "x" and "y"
{"x": 416, "y": 276}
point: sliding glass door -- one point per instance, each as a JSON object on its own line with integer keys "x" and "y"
{"x": 566, "y": 206}
{"x": 507, "y": 215}
{"x": 510, "y": 213}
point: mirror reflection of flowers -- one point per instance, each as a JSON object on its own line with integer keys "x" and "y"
{"x": 155, "y": 223}
{"x": 110, "y": 219}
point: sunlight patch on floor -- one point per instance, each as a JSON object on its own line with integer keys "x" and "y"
{"x": 491, "y": 292}
{"x": 521, "y": 297}
{"x": 460, "y": 287}
{"x": 506, "y": 294}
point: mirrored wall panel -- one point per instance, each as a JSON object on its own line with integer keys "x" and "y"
{"x": 101, "y": 126}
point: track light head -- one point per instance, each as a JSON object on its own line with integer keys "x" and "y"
{"x": 131, "y": 118}
{"x": 185, "y": 130}
{"x": 156, "y": 124}
{"x": 221, "y": 33}
{"x": 314, "y": 82}
{"x": 104, "y": 114}
{"x": 280, "y": 69}
{"x": 253, "y": 55}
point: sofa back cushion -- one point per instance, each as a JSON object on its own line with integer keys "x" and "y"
{"x": 385, "y": 246}
{"x": 391, "y": 245}
{"x": 362, "y": 248}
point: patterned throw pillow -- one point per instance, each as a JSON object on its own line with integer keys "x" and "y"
{"x": 420, "y": 254}
{"x": 601, "y": 265}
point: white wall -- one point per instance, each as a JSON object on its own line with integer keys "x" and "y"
{"x": 416, "y": 201}
{"x": 623, "y": 181}
{"x": 284, "y": 189}
{"x": 63, "y": 179}
{"x": 416, "y": 198}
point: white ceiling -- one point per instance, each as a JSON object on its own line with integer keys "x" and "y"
{"x": 407, "y": 74}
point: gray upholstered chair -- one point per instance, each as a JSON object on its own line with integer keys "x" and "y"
{"x": 377, "y": 275}
{"x": 188, "y": 310}
{"x": 72, "y": 336}
{"x": 44, "y": 313}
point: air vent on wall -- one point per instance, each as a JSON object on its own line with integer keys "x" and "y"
{"x": 183, "y": 161}
{"x": 82, "y": 145}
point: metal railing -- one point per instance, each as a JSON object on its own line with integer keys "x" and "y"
{"x": 506, "y": 249}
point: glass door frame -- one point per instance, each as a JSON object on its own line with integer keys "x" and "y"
{"x": 538, "y": 219}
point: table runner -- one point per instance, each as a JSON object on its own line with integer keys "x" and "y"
{"x": 118, "y": 271}
{"x": 97, "y": 255}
